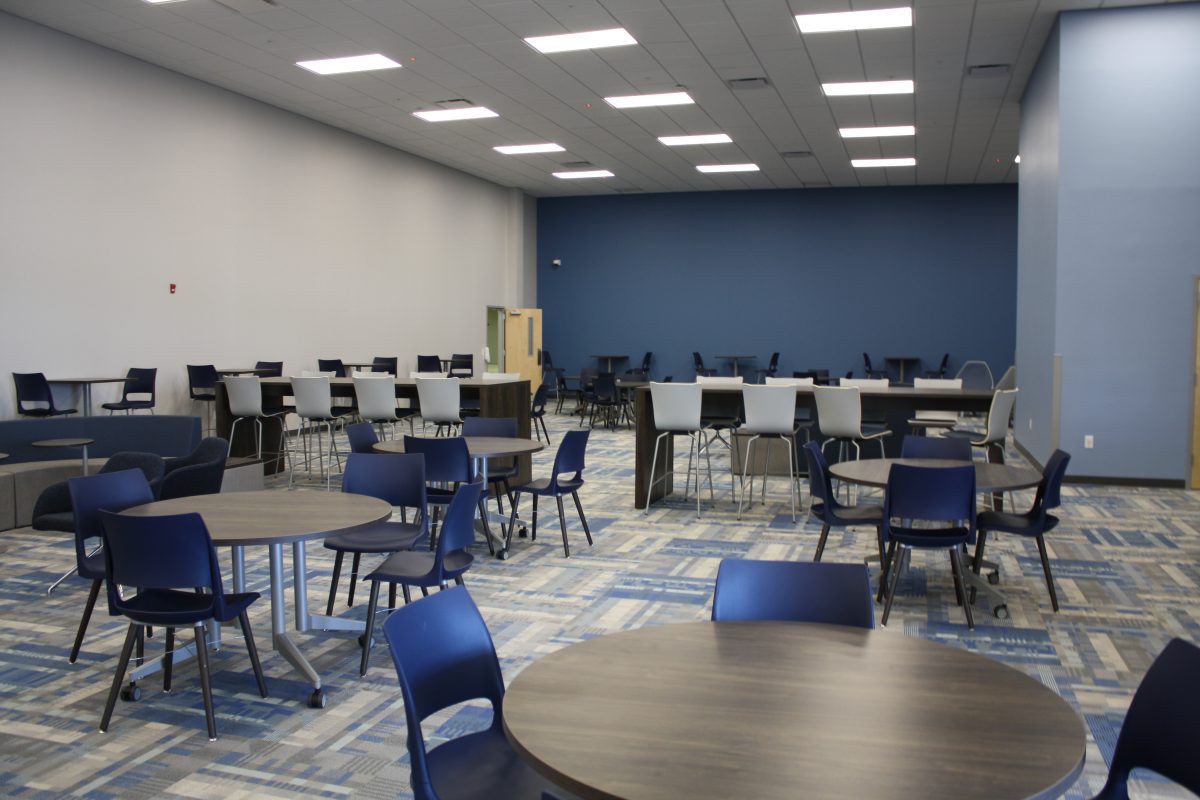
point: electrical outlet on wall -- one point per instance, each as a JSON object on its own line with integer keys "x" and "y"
{"x": 1089, "y": 442}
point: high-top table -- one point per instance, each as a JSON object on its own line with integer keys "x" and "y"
{"x": 609, "y": 359}
{"x": 901, "y": 362}
{"x": 735, "y": 360}
{"x": 764, "y": 710}
{"x": 86, "y": 385}
{"x": 273, "y": 519}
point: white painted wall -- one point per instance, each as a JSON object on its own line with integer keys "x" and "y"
{"x": 287, "y": 239}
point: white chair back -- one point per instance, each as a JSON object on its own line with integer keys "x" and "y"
{"x": 793, "y": 382}
{"x": 428, "y": 376}
{"x": 440, "y": 399}
{"x": 368, "y": 374}
{"x": 376, "y": 395}
{"x": 839, "y": 411}
{"x": 314, "y": 373}
{"x": 500, "y": 377}
{"x": 999, "y": 414}
{"x": 313, "y": 397}
{"x": 1009, "y": 379}
{"x": 976, "y": 375}
{"x": 676, "y": 406}
{"x": 865, "y": 383}
{"x": 719, "y": 380}
{"x": 769, "y": 409}
{"x": 937, "y": 383}
{"x": 245, "y": 395}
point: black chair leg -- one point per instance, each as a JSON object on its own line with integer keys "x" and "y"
{"x": 252, "y": 649}
{"x": 333, "y": 584}
{"x": 890, "y": 568}
{"x": 821, "y": 542}
{"x": 977, "y": 560}
{"x": 562, "y": 522}
{"x": 372, "y": 604}
{"x": 391, "y": 595}
{"x": 407, "y": 595}
{"x": 353, "y": 579}
{"x": 960, "y": 586}
{"x": 205, "y": 682}
{"x": 168, "y": 658}
{"x": 87, "y": 616}
{"x": 533, "y": 521}
{"x": 122, "y": 664}
{"x": 579, "y": 507}
{"x": 512, "y": 520}
{"x": 483, "y": 516}
{"x": 1041, "y": 543}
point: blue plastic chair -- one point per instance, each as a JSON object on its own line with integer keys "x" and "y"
{"x": 333, "y": 365}
{"x": 500, "y": 473}
{"x": 793, "y": 591}
{"x": 399, "y": 480}
{"x": 274, "y": 369}
{"x": 385, "y": 364}
{"x": 462, "y": 365}
{"x": 137, "y": 381}
{"x": 1162, "y": 727}
{"x": 429, "y": 364}
{"x": 172, "y": 563}
{"x": 928, "y": 494}
{"x": 111, "y": 491}
{"x": 200, "y": 472}
{"x": 569, "y": 459}
{"x": 951, "y": 449}
{"x": 1035, "y": 522}
{"x": 448, "y": 561}
{"x": 444, "y": 656}
{"x": 537, "y": 412}
{"x": 826, "y": 508}
{"x": 447, "y": 464}
{"x": 362, "y": 437}
{"x": 32, "y": 387}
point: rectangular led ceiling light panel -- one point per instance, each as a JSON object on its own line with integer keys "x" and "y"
{"x": 863, "y": 133}
{"x": 587, "y": 173}
{"x": 867, "y": 87}
{"x": 728, "y": 167}
{"x": 523, "y": 149}
{"x": 338, "y": 66}
{"x": 647, "y": 100}
{"x": 855, "y": 20}
{"x": 588, "y": 40}
{"x": 452, "y": 114}
{"x": 883, "y": 162}
{"x": 703, "y": 138}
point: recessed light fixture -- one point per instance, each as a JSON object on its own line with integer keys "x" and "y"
{"x": 523, "y": 149}
{"x": 863, "y": 133}
{"x": 855, "y": 20}
{"x": 585, "y": 173}
{"x": 728, "y": 167}
{"x": 646, "y": 100}
{"x": 883, "y": 162}
{"x": 336, "y": 66}
{"x": 867, "y": 87}
{"x": 702, "y": 138}
{"x": 1017, "y": 160}
{"x": 588, "y": 40}
{"x": 452, "y": 114}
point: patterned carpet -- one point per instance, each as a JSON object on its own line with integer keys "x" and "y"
{"x": 1127, "y": 563}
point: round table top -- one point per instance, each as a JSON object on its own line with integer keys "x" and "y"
{"x": 786, "y": 710}
{"x": 479, "y": 446}
{"x": 245, "y": 370}
{"x": 80, "y": 442}
{"x": 273, "y": 517}
{"x": 988, "y": 477}
{"x": 121, "y": 379}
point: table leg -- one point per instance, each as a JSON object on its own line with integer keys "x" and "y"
{"x": 497, "y": 542}
{"x": 279, "y": 636}
{"x": 304, "y": 620}
{"x": 87, "y": 402}
{"x": 85, "y": 461}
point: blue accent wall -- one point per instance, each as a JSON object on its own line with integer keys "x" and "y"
{"x": 819, "y": 275}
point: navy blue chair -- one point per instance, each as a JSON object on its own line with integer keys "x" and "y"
{"x": 940, "y": 372}
{"x": 950, "y": 449}
{"x": 202, "y": 386}
{"x": 1162, "y": 726}
{"x": 447, "y": 464}
{"x": 793, "y": 591}
{"x": 425, "y": 570}
{"x": 172, "y": 562}
{"x": 362, "y": 437}
{"x": 537, "y": 412}
{"x": 270, "y": 369}
{"x": 944, "y": 495}
{"x": 32, "y": 387}
{"x": 566, "y": 477}
{"x": 500, "y": 472}
{"x": 444, "y": 656}
{"x": 137, "y": 381}
{"x": 53, "y": 510}
{"x": 1035, "y": 522}
{"x": 771, "y": 369}
{"x": 462, "y": 365}
{"x": 385, "y": 364}
{"x": 110, "y": 491}
{"x": 429, "y": 364}
{"x": 826, "y": 508}
{"x": 698, "y": 363}
{"x": 604, "y": 400}
{"x": 870, "y": 370}
{"x": 399, "y": 480}
{"x": 333, "y": 365}
{"x": 199, "y": 472}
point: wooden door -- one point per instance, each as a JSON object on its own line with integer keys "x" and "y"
{"x": 523, "y": 344}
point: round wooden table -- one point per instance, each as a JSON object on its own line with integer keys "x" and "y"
{"x": 988, "y": 477}
{"x": 81, "y": 442}
{"x": 482, "y": 449}
{"x": 272, "y": 519}
{"x": 789, "y": 710}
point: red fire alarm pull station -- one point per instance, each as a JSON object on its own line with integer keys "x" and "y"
{"x": 172, "y": 288}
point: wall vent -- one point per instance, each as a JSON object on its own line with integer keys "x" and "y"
{"x": 578, "y": 164}
{"x": 797, "y": 154}
{"x": 989, "y": 70}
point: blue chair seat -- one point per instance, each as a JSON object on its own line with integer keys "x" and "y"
{"x": 546, "y": 486}
{"x": 930, "y": 537}
{"x": 178, "y": 607}
{"x": 92, "y": 567}
{"x": 47, "y": 412}
{"x": 385, "y": 537}
{"x": 128, "y": 405}
{"x": 1022, "y": 524}
{"x": 495, "y": 770}
{"x": 60, "y": 521}
{"x": 415, "y": 568}
{"x": 867, "y": 515}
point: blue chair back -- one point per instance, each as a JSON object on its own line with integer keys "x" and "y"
{"x": 505, "y": 427}
{"x": 447, "y": 459}
{"x": 458, "y": 528}
{"x": 275, "y": 369}
{"x": 108, "y": 491}
{"x": 1050, "y": 490}
{"x": 169, "y": 552}
{"x": 140, "y": 380}
{"x": 333, "y": 365}
{"x": 645, "y": 368}
{"x": 570, "y": 457}
{"x": 429, "y": 364}
{"x": 385, "y": 364}
{"x": 950, "y": 448}
{"x": 794, "y": 591}
{"x": 462, "y": 365}
{"x": 362, "y": 437}
{"x": 32, "y": 387}
{"x": 604, "y": 389}
{"x": 201, "y": 376}
{"x": 396, "y": 478}
{"x": 201, "y": 472}
{"x": 819, "y": 484}
{"x": 443, "y": 656}
{"x": 1162, "y": 727}
{"x": 936, "y": 494}
{"x": 537, "y": 407}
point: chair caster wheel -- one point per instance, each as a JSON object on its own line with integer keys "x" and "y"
{"x": 317, "y": 699}
{"x": 131, "y": 694}
{"x": 503, "y": 554}
{"x": 523, "y": 532}
{"x": 1000, "y": 612}
{"x": 994, "y": 578}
